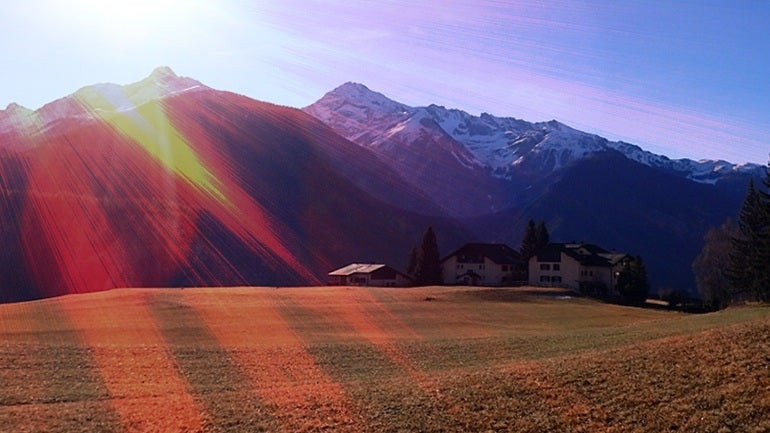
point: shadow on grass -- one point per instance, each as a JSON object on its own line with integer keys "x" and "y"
{"x": 214, "y": 379}
{"x": 55, "y": 374}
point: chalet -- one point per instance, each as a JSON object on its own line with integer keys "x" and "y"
{"x": 368, "y": 274}
{"x": 483, "y": 265}
{"x": 581, "y": 267}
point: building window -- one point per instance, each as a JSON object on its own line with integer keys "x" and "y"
{"x": 545, "y": 278}
{"x": 556, "y": 279}
{"x": 481, "y": 267}
{"x": 591, "y": 273}
{"x": 556, "y": 266}
{"x": 459, "y": 266}
{"x": 505, "y": 268}
{"x": 545, "y": 267}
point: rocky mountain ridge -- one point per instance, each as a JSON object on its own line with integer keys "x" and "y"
{"x": 502, "y": 145}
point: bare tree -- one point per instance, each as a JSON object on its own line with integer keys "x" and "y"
{"x": 710, "y": 267}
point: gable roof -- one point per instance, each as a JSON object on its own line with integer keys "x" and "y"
{"x": 475, "y": 252}
{"x": 585, "y": 254}
{"x": 614, "y": 257}
{"x": 357, "y": 268}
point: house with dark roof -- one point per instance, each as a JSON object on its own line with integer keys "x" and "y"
{"x": 581, "y": 267}
{"x": 480, "y": 264}
{"x": 368, "y": 274}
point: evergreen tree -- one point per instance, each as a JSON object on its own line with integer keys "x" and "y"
{"x": 411, "y": 265}
{"x": 428, "y": 268}
{"x": 710, "y": 266}
{"x": 530, "y": 243}
{"x": 542, "y": 238}
{"x": 632, "y": 282}
{"x": 748, "y": 269}
{"x": 763, "y": 247}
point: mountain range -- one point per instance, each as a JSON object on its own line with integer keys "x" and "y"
{"x": 505, "y": 148}
{"x": 167, "y": 182}
{"x": 495, "y": 173}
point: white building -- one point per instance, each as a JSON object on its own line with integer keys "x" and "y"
{"x": 483, "y": 265}
{"x": 586, "y": 268}
{"x": 368, "y": 274}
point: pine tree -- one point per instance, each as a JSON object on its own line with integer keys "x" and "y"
{"x": 428, "y": 268}
{"x": 763, "y": 247}
{"x": 542, "y": 238}
{"x": 529, "y": 245}
{"x": 411, "y": 265}
{"x": 747, "y": 271}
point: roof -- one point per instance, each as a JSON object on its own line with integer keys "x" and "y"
{"x": 614, "y": 257}
{"x": 357, "y": 268}
{"x": 475, "y": 252}
{"x": 550, "y": 253}
{"x": 585, "y": 254}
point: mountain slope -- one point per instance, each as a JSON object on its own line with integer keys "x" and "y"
{"x": 627, "y": 206}
{"x": 163, "y": 183}
{"x": 411, "y": 142}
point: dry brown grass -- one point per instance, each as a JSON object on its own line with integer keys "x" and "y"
{"x": 378, "y": 360}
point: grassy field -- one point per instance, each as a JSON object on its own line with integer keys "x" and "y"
{"x": 377, "y": 360}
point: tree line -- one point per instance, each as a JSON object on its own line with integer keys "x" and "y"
{"x": 734, "y": 264}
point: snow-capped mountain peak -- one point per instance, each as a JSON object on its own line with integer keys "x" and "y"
{"x": 98, "y": 100}
{"x": 356, "y": 101}
{"x": 358, "y": 111}
{"x": 160, "y": 83}
{"x": 503, "y": 145}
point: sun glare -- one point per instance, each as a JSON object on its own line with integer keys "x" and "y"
{"x": 127, "y": 11}
{"x": 124, "y": 21}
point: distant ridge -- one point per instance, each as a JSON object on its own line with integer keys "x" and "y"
{"x": 503, "y": 145}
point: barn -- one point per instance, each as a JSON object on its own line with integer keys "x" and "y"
{"x": 368, "y": 274}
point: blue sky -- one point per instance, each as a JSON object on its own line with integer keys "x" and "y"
{"x": 681, "y": 78}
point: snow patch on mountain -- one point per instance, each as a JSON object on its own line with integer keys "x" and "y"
{"x": 703, "y": 171}
{"x": 372, "y": 120}
{"x": 359, "y": 113}
{"x": 503, "y": 145}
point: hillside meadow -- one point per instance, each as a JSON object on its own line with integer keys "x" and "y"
{"x": 343, "y": 359}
